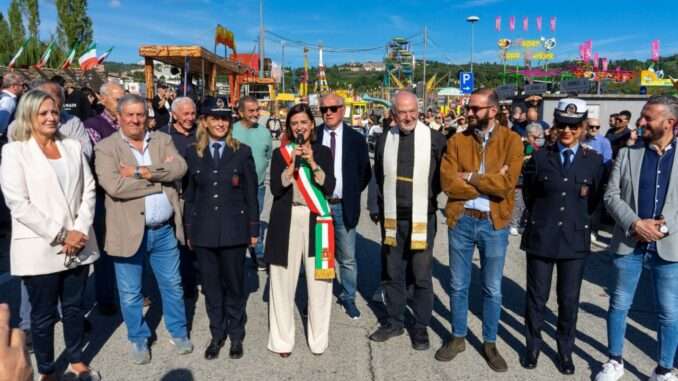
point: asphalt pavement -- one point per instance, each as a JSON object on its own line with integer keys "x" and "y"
{"x": 351, "y": 356}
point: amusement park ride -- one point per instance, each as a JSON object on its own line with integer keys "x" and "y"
{"x": 399, "y": 64}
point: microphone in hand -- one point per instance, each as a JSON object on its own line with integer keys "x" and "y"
{"x": 299, "y": 140}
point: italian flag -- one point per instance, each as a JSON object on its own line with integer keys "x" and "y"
{"x": 104, "y": 56}
{"x": 45, "y": 56}
{"x": 89, "y": 59}
{"x": 18, "y": 54}
{"x": 69, "y": 59}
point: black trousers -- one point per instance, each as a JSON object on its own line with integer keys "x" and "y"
{"x": 188, "y": 269}
{"x": 568, "y": 285}
{"x": 222, "y": 271}
{"x": 401, "y": 268}
{"x": 104, "y": 273}
{"x": 45, "y": 292}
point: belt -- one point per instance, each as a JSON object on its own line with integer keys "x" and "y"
{"x": 334, "y": 200}
{"x": 478, "y": 214}
{"x": 157, "y": 226}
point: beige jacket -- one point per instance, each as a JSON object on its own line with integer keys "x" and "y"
{"x": 125, "y": 207}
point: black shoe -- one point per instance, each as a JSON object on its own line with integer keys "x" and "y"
{"x": 107, "y": 309}
{"x": 420, "y": 340}
{"x": 236, "y": 350}
{"x": 565, "y": 365}
{"x": 385, "y": 332}
{"x": 530, "y": 359}
{"x": 213, "y": 348}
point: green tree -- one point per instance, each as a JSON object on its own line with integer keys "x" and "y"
{"x": 16, "y": 25}
{"x": 73, "y": 25}
{"x": 32, "y": 13}
{"x": 35, "y": 48}
{"x": 5, "y": 41}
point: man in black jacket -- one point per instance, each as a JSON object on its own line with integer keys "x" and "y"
{"x": 352, "y": 172}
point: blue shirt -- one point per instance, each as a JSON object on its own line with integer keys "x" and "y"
{"x": 653, "y": 185}
{"x": 562, "y": 148}
{"x": 158, "y": 208}
{"x": 601, "y": 145}
{"x": 221, "y": 147}
{"x": 481, "y": 202}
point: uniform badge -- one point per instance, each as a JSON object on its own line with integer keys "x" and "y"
{"x": 235, "y": 179}
{"x": 584, "y": 191}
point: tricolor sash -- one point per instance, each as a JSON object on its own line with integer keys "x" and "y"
{"x": 317, "y": 203}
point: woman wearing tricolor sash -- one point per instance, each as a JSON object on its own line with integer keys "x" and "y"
{"x": 300, "y": 231}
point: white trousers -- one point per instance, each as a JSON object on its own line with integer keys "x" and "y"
{"x": 283, "y": 286}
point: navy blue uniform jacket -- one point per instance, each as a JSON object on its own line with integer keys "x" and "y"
{"x": 560, "y": 202}
{"x": 221, "y": 207}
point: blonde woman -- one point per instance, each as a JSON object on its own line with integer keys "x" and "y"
{"x": 49, "y": 190}
{"x": 222, "y": 220}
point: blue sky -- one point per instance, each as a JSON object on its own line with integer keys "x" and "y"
{"x": 619, "y": 29}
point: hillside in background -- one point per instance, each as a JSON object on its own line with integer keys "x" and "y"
{"x": 487, "y": 74}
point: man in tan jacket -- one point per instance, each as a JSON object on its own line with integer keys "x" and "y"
{"x": 138, "y": 169}
{"x": 479, "y": 173}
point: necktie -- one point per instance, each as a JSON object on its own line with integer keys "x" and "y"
{"x": 215, "y": 154}
{"x": 333, "y": 143}
{"x": 567, "y": 154}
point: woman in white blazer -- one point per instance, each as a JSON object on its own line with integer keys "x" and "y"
{"x": 50, "y": 192}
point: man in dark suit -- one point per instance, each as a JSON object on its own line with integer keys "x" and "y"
{"x": 352, "y": 172}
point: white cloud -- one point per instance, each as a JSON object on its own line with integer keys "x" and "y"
{"x": 114, "y": 3}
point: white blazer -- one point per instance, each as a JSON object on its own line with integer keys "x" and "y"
{"x": 40, "y": 207}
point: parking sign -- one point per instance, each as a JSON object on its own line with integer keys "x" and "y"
{"x": 466, "y": 82}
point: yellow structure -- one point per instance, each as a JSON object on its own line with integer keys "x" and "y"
{"x": 649, "y": 78}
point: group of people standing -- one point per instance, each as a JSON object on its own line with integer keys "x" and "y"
{"x": 193, "y": 191}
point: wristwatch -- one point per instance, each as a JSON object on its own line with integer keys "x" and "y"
{"x": 137, "y": 172}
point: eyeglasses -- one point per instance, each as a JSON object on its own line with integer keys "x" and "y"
{"x": 475, "y": 109}
{"x": 333, "y": 109}
{"x": 594, "y": 127}
{"x": 562, "y": 127}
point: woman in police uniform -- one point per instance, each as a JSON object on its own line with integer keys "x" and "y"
{"x": 222, "y": 220}
{"x": 562, "y": 186}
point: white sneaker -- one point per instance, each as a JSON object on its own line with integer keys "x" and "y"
{"x": 664, "y": 377}
{"x": 514, "y": 231}
{"x": 612, "y": 371}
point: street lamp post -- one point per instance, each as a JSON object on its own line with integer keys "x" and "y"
{"x": 472, "y": 20}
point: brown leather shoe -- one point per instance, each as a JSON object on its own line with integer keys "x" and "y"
{"x": 493, "y": 358}
{"x": 451, "y": 349}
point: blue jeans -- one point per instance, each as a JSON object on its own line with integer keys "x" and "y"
{"x": 628, "y": 269}
{"x": 492, "y": 246}
{"x": 344, "y": 243}
{"x": 160, "y": 246}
